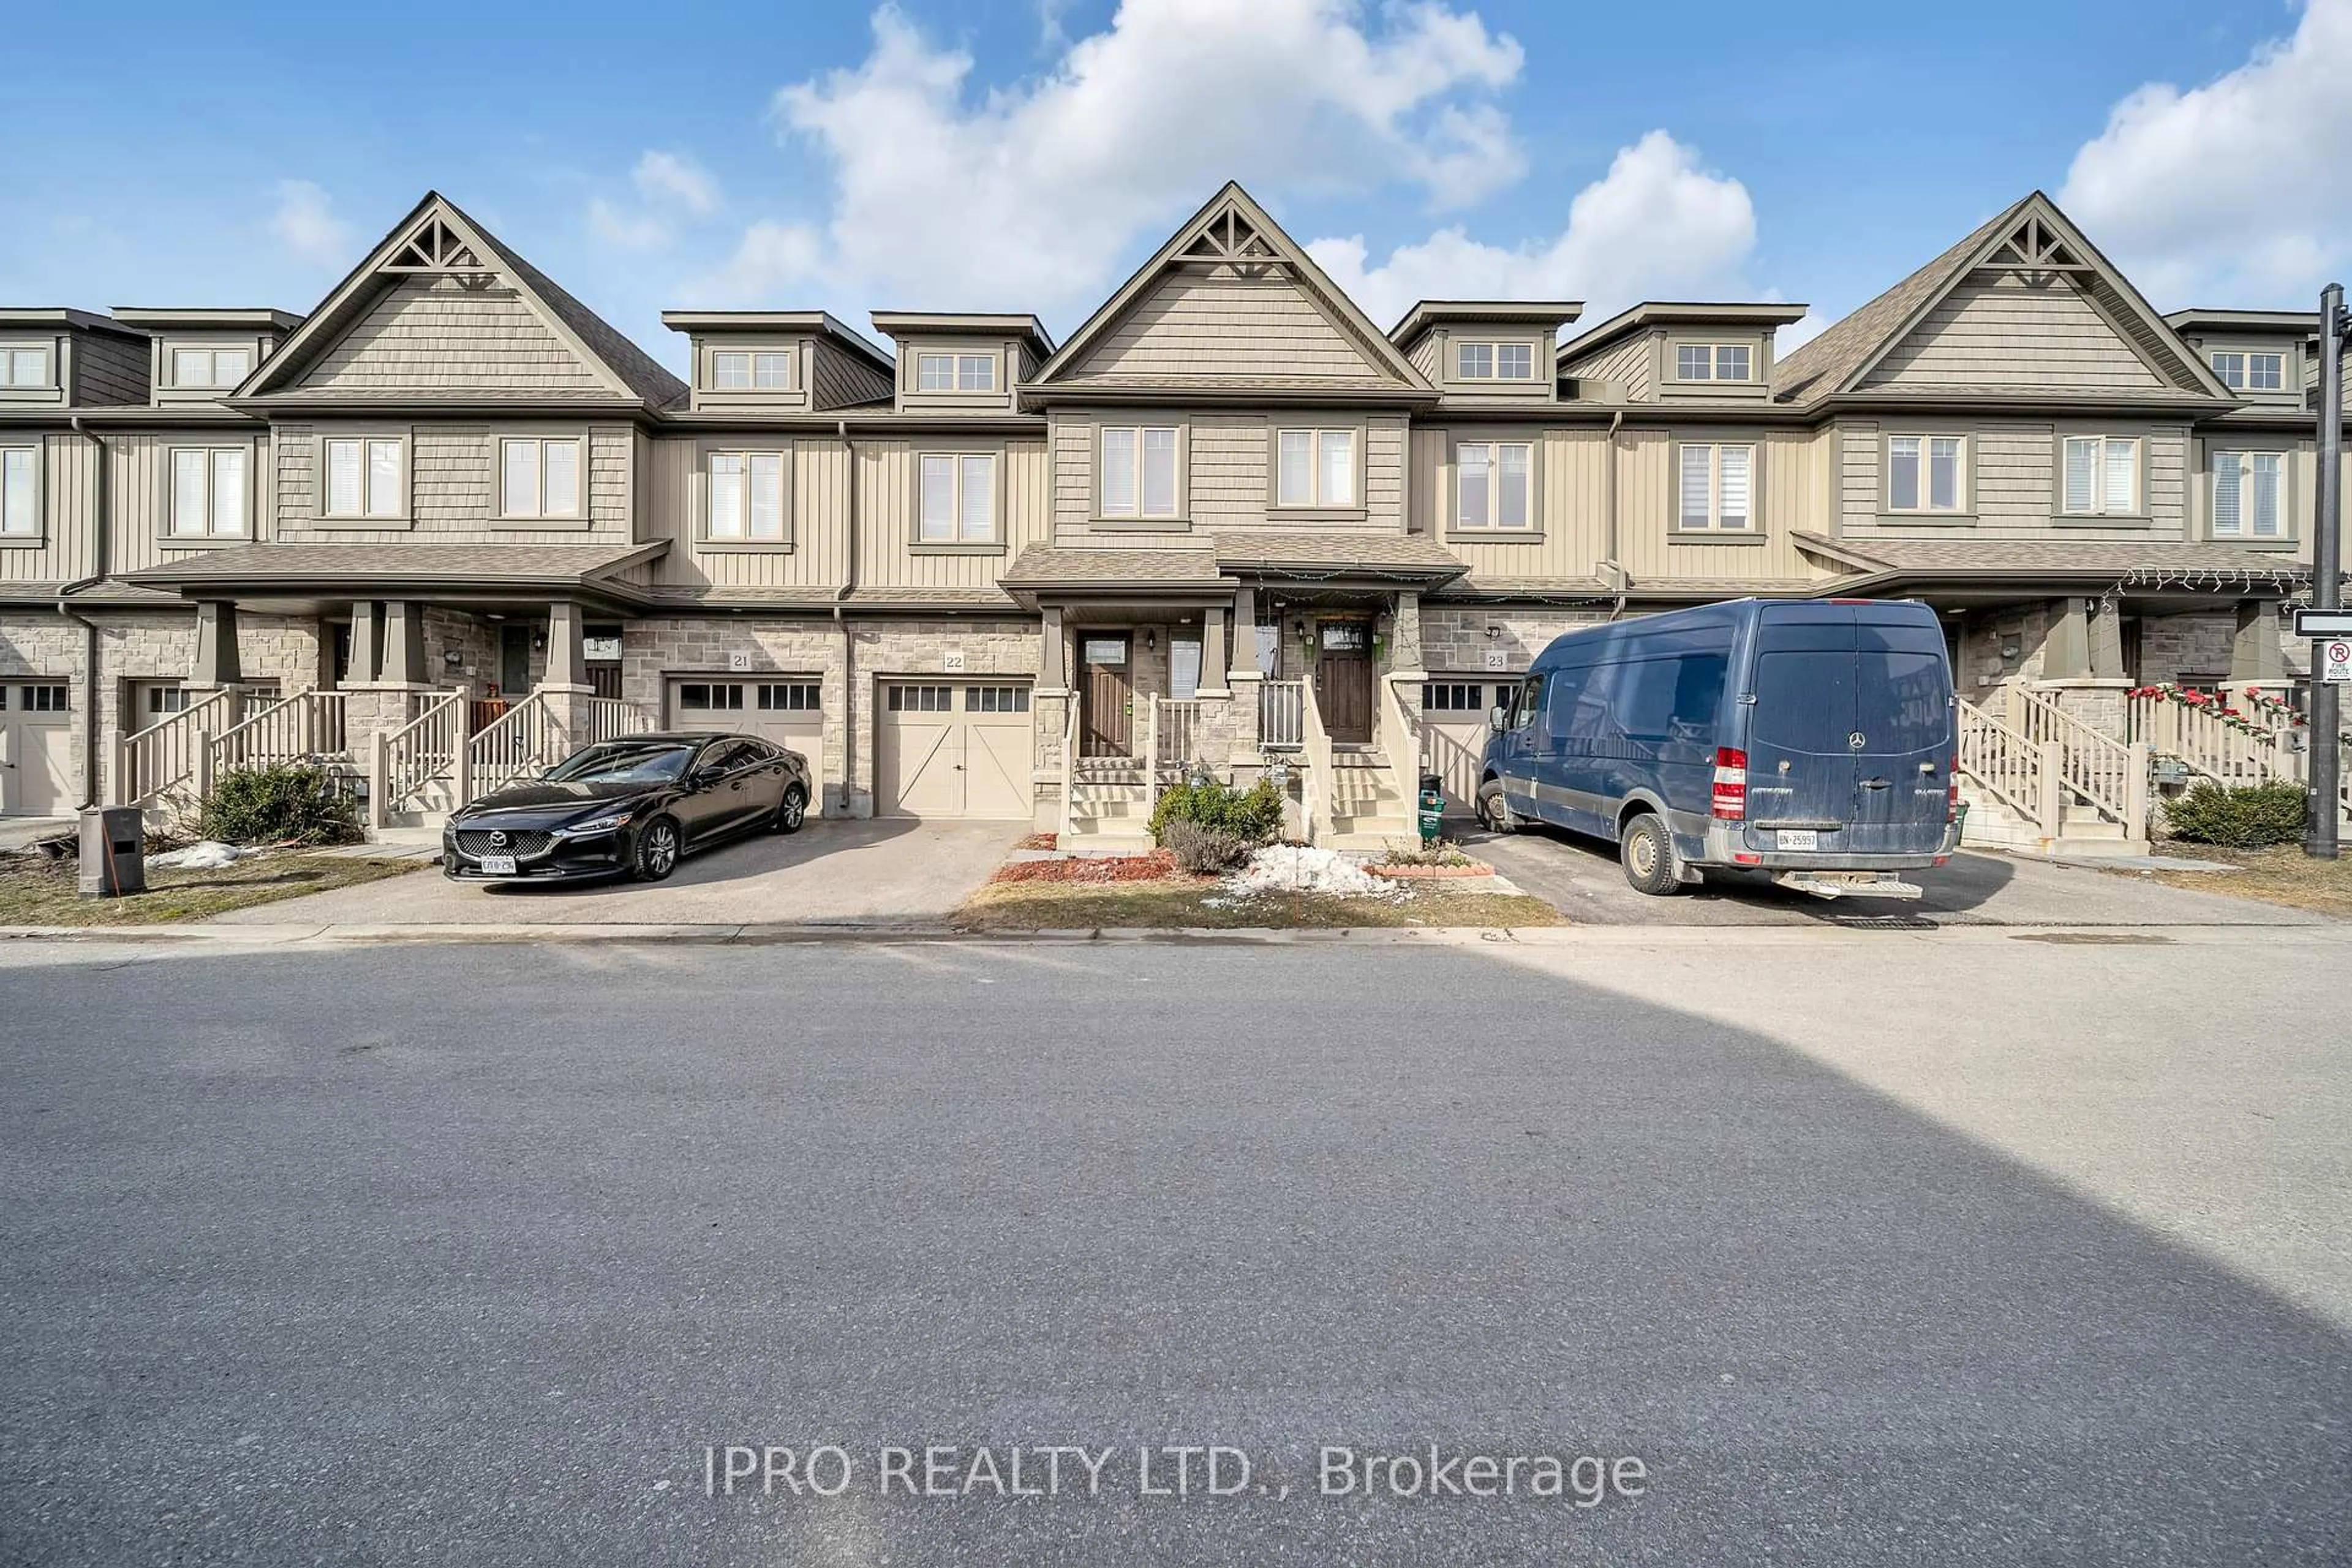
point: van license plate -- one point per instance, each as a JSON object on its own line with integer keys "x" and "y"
{"x": 504, "y": 865}
{"x": 1797, "y": 838}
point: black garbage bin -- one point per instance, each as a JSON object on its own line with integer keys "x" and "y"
{"x": 113, "y": 852}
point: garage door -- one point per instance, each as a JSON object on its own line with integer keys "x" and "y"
{"x": 789, "y": 711}
{"x": 35, "y": 750}
{"x": 1454, "y": 736}
{"x": 954, "y": 750}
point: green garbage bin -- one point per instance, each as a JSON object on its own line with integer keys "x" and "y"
{"x": 1432, "y": 807}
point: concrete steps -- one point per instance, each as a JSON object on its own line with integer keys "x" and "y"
{"x": 2083, "y": 832}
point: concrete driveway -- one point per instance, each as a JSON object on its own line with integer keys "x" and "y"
{"x": 1581, "y": 877}
{"x": 878, "y": 871}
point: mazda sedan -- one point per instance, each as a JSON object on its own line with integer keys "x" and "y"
{"x": 633, "y": 807}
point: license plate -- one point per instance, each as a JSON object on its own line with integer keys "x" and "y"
{"x": 1797, "y": 838}
{"x": 498, "y": 866}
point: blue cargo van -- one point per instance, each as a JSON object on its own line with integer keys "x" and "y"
{"x": 1810, "y": 741}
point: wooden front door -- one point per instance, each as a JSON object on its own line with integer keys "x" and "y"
{"x": 1107, "y": 722}
{"x": 1343, "y": 680}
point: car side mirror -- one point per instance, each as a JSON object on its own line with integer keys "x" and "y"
{"x": 1498, "y": 718}
{"x": 703, "y": 778}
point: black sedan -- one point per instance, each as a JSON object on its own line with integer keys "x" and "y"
{"x": 633, "y": 807}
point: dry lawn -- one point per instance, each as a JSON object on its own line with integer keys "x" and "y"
{"x": 36, "y": 892}
{"x": 1177, "y": 903}
{"x": 2281, "y": 874}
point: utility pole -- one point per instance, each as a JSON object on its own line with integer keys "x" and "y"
{"x": 2326, "y": 571}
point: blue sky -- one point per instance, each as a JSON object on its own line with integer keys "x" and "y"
{"x": 1010, "y": 155}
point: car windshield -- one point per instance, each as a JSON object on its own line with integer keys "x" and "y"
{"x": 622, "y": 763}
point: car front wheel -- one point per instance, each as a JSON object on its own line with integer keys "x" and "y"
{"x": 1647, "y": 851}
{"x": 1495, "y": 811}
{"x": 793, "y": 810}
{"x": 656, "y": 851}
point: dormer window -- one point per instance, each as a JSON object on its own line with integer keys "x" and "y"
{"x": 955, "y": 373}
{"x": 2251, "y": 372}
{"x": 1712, "y": 361}
{"x": 27, "y": 367}
{"x": 1494, "y": 362}
{"x": 734, "y": 369}
{"x": 210, "y": 367}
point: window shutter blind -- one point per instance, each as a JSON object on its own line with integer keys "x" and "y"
{"x": 1511, "y": 492}
{"x": 2227, "y": 492}
{"x": 938, "y": 518}
{"x": 766, "y": 483}
{"x": 1471, "y": 459}
{"x": 1295, "y": 476}
{"x": 2081, "y": 459}
{"x": 1902, "y": 473}
{"x": 1944, "y": 473}
{"x": 1118, "y": 473}
{"x": 976, "y": 497}
{"x": 521, "y": 494}
{"x": 383, "y": 477}
{"x": 1697, "y": 482}
{"x": 1339, "y": 468}
{"x": 188, "y": 493}
{"x": 726, "y": 496}
{"x": 1735, "y": 486}
{"x": 2121, "y": 492}
{"x": 343, "y": 477}
{"x": 2267, "y": 468}
{"x": 562, "y": 479}
{"x": 1159, "y": 473}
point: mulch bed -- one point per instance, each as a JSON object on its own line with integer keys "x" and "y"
{"x": 1040, "y": 841}
{"x": 1158, "y": 866}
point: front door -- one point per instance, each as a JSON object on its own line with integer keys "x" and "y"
{"x": 1107, "y": 722}
{"x": 1343, "y": 680}
{"x": 514, "y": 662}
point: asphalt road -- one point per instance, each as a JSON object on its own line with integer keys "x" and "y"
{"x": 1871, "y": 1247}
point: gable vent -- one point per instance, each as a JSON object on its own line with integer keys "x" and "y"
{"x": 434, "y": 247}
{"x": 2033, "y": 246}
{"x": 1228, "y": 237}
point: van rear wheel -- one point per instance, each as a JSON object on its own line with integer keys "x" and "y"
{"x": 1495, "y": 811}
{"x": 1647, "y": 853}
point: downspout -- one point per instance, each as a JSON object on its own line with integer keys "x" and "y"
{"x": 848, "y": 646}
{"x": 91, "y": 794}
{"x": 1608, "y": 556}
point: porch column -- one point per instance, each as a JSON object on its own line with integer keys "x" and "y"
{"x": 215, "y": 664}
{"x": 2066, "y": 649}
{"x": 1404, "y": 636}
{"x": 1213, "y": 657}
{"x": 2104, "y": 624}
{"x": 1244, "y": 663}
{"x": 1242, "y": 676}
{"x": 1053, "y": 654}
{"x": 567, "y": 663}
{"x": 366, "y": 638}
{"x": 404, "y": 644}
{"x": 2256, "y": 656}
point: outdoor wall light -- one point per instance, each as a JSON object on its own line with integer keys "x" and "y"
{"x": 2010, "y": 649}
{"x": 538, "y": 642}
{"x": 452, "y": 657}
{"x": 1150, "y": 638}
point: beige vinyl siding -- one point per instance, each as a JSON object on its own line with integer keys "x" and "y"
{"x": 453, "y": 485}
{"x": 1649, "y": 504}
{"x": 108, "y": 370}
{"x": 140, "y": 492}
{"x": 433, "y": 335}
{"x": 68, "y": 469}
{"x": 2006, "y": 332}
{"x": 840, "y": 380}
{"x": 1633, "y": 365}
{"x": 817, "y": 510}
{"x": 887, "y": 557}
{"x": 1193, "y": 325}
{"x": 2014, "y": 482}
{"x": 1225, "y": 483}
{"x": 1424, "y": 353}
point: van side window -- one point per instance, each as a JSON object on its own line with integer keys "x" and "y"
{"x": 1673, "y": 698}
{"x": 1574, "y": 701}
{"x": 1913, "y": 717}
{"x": 1531, "y": 701}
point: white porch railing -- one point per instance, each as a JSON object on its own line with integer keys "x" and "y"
{"x": 2008, "y": 766}
{"x": 2107, "y": 772}
{"x": 305, "y": 725}
{"x": 1069, "y": 768}
{"x": 1178, "y": 727}
{"x": 1315, "y": 791}
{"x": 1281, "y": 720}
{"x": 169, "y": 752}
{"x": 521, "y": 742}
{"x": 609, "y": 719}
{"x": 416, "y": 755}
{"x": 1401, "y": 737}
{"x": 2210, "y": 745}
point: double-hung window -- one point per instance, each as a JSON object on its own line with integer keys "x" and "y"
{"x": 745, "y": 498}
{"x": 1717, "y": 486}
{"x": 1712, "y": 362}
{"x": 209, "y": 496}
{"x": 2248, "y": 495}
{"x": 1139, "y": 471}
{"x": 2099, "y": 476}
{"x": 741, "y": 370}
{"x": 1314, "y": 468}
{"x": 27, "y": 367}
{"x": 1494, "y": 362}
{"x": 955, "y": 373}
{"x": 958, "y": 504}
{"x": 364, "y": 476}
{"x": 20, "y": 491}
{"x": 1926, "y": 473}
{"x": 1494, "y": 485}
{"x": 2242, "y": 371}
{"x": 201, "y": 368}
{"x": 539, "y": 477}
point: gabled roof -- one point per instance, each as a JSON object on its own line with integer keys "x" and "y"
{"x": 899, "y": 325}
{"x": 62, "y": 318}
{"x": 2031, "y": 234}
{"x": 435, "y": 237}
{"x": 2306, "y": 323}
{"x": 1676, "y": 313}
{"x": 822, "y": 323}
{"x": 1426, "y": 314}
{"x": 207, "y": 318}
{"x": 1232, "y": 229}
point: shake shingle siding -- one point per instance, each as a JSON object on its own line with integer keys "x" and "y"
{"x": 2006, "y": 332}
{"x": 1192, "y": 325}
{"x": 109, "y": 370}
{"x": 441, "y": 336}
{"x": 1630, "y": 365}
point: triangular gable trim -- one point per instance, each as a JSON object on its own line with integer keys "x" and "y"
{"x": 1231, "y": 227}
{"x": 2039, "y": 237}
{"x": 435, "y": 240}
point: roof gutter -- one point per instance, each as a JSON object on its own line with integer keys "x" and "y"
{"x": 849, "y": 643}
{"x": 89, "y": 705}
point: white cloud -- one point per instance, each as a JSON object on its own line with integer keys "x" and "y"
{"x": 305, "y": 222}
{"x": 1657, "y": 226}
{"x": 1788, "y": 340}
{"x": 628, "y": 229}
{"x": 771, "y": 257}
{"x": 1030, "y": 196}
{"x": 673, "y": 178}
{"x": 2231, "y": 192}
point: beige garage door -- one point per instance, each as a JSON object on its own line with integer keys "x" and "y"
{"x": 35, "y": 750}
{"x": 1454, "y": 736}
{"x": 954, "y": 750}
{"x": 787, "y": 710}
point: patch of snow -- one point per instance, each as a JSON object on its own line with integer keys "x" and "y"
{"x": 207, "y": 855}
{"x": 1298, "y": 869}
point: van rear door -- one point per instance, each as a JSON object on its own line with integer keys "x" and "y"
{"x": 1904, "y": 714}
{"x": 1800, "y": 756}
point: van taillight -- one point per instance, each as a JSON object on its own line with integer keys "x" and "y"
{"x": 1952, "y": 795}
{"x": 1730, "y": 784}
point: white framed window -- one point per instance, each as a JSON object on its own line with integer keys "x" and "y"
{"x": 364, "y": 476}
{"x": 1139, "y": 470}
{"x": 958, "y": 503}
{"x": 539, "y": 476}
{"x": 27, "y": 367}
{"x": 1712, "y": 361}
{"x": 1926, "y": 473}
{"x": 744, "y": 497}
{"x": 2099, "y": 476}
{"x": 20, "y": 491}
{"x": 209, "y": 495}
{"x": 210, "y": 367}
{"x": 1493, "y": 484}
{"x": 1315, "y": 468}
{"x": 745, "y": 370}
{"x": 955, "y": 373}
{"x": 2250, "y": 495}
{"x": 1717, "y": 486}
{"x": 1494, "y": 362}
{"x": 2243, "y": 372}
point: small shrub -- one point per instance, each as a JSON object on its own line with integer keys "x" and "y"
{"x": 1253, "y": 815}
{"x": 298, "y": 803}
{"x": 1204, "y": 851}
{"x": 2238, "y": 818}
